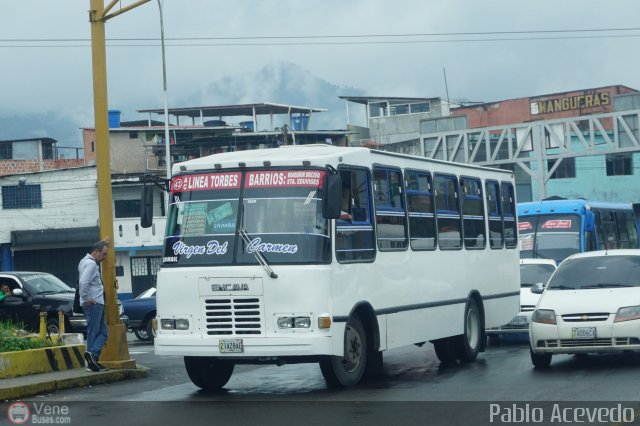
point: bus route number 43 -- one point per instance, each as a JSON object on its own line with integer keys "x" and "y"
{"x": 231, "y": 346}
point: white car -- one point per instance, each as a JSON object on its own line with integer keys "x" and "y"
{"x": 591, "y": 304}
{"x": 532, "y": 271}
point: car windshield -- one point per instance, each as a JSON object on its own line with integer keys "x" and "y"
{"x": 609, "y": 271}
{"x": 150, "y": 292}
{"x": 44, "y": 283}
{"x": 532, "y": 273}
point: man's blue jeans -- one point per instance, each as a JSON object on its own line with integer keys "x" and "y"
{"x": 96, "y": 328}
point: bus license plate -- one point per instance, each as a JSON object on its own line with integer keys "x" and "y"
{"x": 231, "y": 346}
{"x": 584, "y": 332}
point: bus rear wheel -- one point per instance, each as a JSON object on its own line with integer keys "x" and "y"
{"x": 208, "y": 373}
{"x": 347, "y": 370}
{"x": 468, "y": 344}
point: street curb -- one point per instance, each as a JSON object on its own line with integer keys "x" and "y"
{"x": 45, "y": 387}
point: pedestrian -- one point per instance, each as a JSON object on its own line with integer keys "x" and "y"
{"x": 92, "y": 302}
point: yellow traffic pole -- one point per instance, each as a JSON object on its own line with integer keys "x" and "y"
{"x": 60, "y": 323}
{"x": 116, "y": 352}
{"x": 43, "y": 324}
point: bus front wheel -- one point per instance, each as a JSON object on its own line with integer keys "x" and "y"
{"x": 468, "y": 344}
{"x": 208, "y": 373}
{"x": 347, "y": 370}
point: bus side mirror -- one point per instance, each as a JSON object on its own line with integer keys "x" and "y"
{"x": 146, "y": 206}
{"x": 589, "y": 221}
{"x": 331, "y": 193}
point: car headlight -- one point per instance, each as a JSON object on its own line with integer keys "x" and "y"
{"x": 627, "y": 313}
{"x": 544, "y": 316}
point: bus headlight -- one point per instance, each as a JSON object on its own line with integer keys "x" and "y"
{"x": 301, "y": 322}
{"x": 182, "y": 324}
{"x": 167, "y": 324}
{"x": 627, "y": 313}
{"x": 285, "y": 322}
{"x": 294, "y": 322}
{"x": 544, "y": 316}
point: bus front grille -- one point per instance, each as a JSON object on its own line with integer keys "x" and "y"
{"x": 233, "y": 316}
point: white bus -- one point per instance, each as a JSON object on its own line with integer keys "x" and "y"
{"x": 332, "y": 255}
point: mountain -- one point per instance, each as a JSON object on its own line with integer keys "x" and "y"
{"x": 280, "y": 82}
{"x": 39, "y": 125}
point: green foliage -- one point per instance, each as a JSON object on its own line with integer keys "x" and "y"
{"x": 14, "y": 338}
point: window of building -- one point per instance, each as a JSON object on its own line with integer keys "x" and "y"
{"x": 619, "y": 164}
{"x": 566, "y": 169}
{"x": 127, "y": 208}
{"x": 391, "y": 220}
{"x": 133, "y": 135}
{"x": 93, "y": 146}
{"x": 6, "y": 150}
{"x": 21, "y": 197}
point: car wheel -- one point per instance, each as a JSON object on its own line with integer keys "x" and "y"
{"x": 347, "y": 370}
{"x": 141, "y": 334}
{"x": 468, "y": 344}
{"x": 53, "y": 327}
{"x": 542, "y": 360}
{"x": 151, "y": 333}
{"x": 208, "y": 373}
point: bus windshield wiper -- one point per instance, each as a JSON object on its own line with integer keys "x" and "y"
{"x": 605, "y": 285}
{"x": 259, "y": 257}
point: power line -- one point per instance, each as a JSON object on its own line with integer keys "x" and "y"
{"x": 333, "y": 36}
{"x": 327, "y": 43}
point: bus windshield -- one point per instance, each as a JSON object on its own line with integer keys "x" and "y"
{"x": 279, "y": 211}
{"x": 549, "y": 236}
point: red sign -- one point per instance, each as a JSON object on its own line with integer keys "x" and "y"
{"x": 207, "y": 181}
{"x": 284, "y": 178}
{"x": 557, "y": 224}
{"x": 523, "y": 226}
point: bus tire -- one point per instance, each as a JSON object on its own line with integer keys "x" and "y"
{"x": 208, "y": 373}
{"x": 540, "y": 360}
{"x": 444, "y": 349}
{"x": 468, "y": 344}
{"x": 345, "y": 371}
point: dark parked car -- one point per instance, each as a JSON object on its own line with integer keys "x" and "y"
{"x": 141, "y": 311}
{"x": 32, "y": 292}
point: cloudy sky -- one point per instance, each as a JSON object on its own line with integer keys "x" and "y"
{"x": 390, "y": 48}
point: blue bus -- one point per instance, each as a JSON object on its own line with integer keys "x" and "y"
{"x": 556, "y": 228}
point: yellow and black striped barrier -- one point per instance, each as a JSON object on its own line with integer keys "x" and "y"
{"x": 45, "y": 360}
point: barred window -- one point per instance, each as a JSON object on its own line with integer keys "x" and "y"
{"x": 566, "y": 169}
{"x": 619, "y": 164}
{"x": 127, "y": 208}
{"x": 21, "y": 197}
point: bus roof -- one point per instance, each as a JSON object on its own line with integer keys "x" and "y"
{"x": 318, "y": 155}
{"x": 566, "y": 206}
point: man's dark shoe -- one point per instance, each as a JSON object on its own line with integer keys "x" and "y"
{"x": 91, "y": 363}
{"x": 102, "y": 367}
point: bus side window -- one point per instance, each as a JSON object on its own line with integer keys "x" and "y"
{"x": 391, "y": 222}
{"x": 494, "y": 211}
{"x": 448, "y": 215}
{"x": 475, "y": 233}
{"x": 599, "y": 234}
{"x": 355, "y": 239}
{"x": 631, "y": 228}
{"x": 610, "y": 235}
{"x": 422, "y": 223}
{"x": 623, "y": 231}
{"x": 509, "y": 215}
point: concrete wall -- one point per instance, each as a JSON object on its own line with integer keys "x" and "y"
{"x": 401, "y": 128}
{"x": 69, "y": 200}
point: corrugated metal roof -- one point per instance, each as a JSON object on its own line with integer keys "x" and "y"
{"x": 366, "y": 99}
{"x": 264, "y": 108}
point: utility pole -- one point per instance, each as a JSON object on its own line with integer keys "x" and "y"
{"x": 116, "y": 351}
